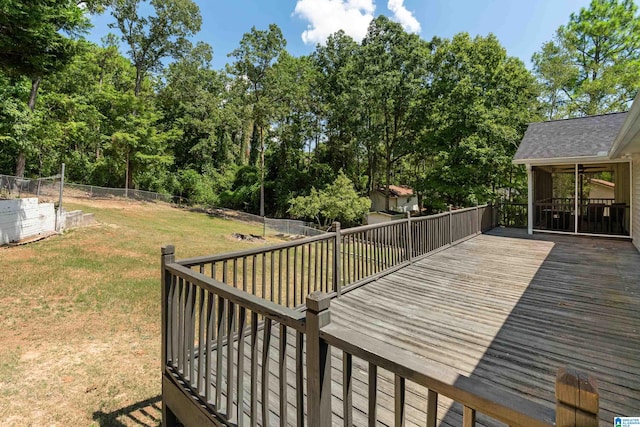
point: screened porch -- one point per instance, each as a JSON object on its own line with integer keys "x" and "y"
{"x": 590, "y": 199}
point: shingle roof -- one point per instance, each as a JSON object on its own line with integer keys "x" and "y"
{"x": 583, "y": 136}
{"x": 398, "y": 190}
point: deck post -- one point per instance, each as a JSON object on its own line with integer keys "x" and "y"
{"x": 167, "y": 256}
{"x": 529, "y": 199}
{"x": 479, "y": 229}
{"x": 337, "y": 259}
{"x": 409, "y": 238}
{"x": 318, "y": 361}
{"x": 577, "y": 399}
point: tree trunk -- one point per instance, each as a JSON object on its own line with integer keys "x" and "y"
{"x": 35, "y": 84}
{"x": 261, "y": 173}
{"x": 33, "y": 95}
{"x": 138, "y": 82}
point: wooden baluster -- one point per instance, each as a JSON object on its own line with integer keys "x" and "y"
{"x": 295, "y": 277}
{"x": 280, "y": 277}
{"x": 242, "y": 321}
{"x": 282, "y": 375}
{"x": 468, "y": 417}
{"x": 202, "y": 340}
{"x": 300, "y": 379}
{"x": 209, "y": 347}
{"x": 222, "y": 312}
{"x": 254, "y": 369}
{"x": 254, "y": 289}
{"x": 322, "y": 264}
{"x": 231, "y": 325}
{"x": 287, "y": 282}
{"x": 373, "y": 393}
{"x": 338, "y": 259}
{"x": 266, "y": 345}
{"x": 432, "y": 408}
{"x": 399, "y": 398}
{"x": 347, "y": 389}
{"x": 244, "y": 273}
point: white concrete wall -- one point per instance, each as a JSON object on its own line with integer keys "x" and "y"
{"x": 635, "y": 207}
{"x": 22, "y": 218}
{"x": 380, "y": 217}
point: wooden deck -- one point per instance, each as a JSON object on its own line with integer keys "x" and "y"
{"x": 510, "y": 309}
{"x": 505, "y": 308}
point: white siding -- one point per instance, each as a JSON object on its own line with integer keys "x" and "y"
{"x": 635, "y": 210}
{"x": 22, "y": 218}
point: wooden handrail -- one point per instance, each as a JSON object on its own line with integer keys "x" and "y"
{"x": 501, "y": 405}
{"x": 190, "y": 262}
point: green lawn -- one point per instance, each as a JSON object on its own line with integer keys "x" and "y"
{"x": 80, "y": 314}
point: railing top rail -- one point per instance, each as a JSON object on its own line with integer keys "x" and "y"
{"x": 354, "y": 230}
{"x": 188, "y": 262}
{"x": 276, "y": 312}
{"x": 501, "y": 405}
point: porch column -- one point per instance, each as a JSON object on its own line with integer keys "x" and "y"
{"x": 576, "y": 201}
{"x": 530, "y": 199}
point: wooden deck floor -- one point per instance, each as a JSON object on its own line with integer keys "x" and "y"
{"x": 509, "y": 310}
{"x": 506, "y": 308}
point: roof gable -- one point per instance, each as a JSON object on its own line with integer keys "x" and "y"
{"x": 590, "y": 136}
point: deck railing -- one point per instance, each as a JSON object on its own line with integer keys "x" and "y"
{"x": 341, "y": 259}
{"x": 576, "y": 393}
{"x": 216, "y": 343}
{"x": 246, "y": 337}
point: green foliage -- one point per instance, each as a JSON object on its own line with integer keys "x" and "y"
{"x": 154, "y": 37}
{"x": 32, "y": 35}
{"x": 338, "y": 201}
{"x": 480, "y": 103}
{"x": 593, "y": 64}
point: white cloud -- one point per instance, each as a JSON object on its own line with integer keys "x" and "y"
{"x": 328, "y": 16}
{"x": 403, "y": 16}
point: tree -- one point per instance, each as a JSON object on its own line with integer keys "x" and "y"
{"x": 152, "y": 38}
{"x": 258, "y": 51}
{"x": 392, "y": 77}
{"x": 36, "y": 39}
{"x": 593, "y": 64}
{"x": 337, "y": 201}
{"x": 481, "y": 102}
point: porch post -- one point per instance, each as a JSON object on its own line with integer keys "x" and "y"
{"x": 530, "y": 199}
{"x": 575, "y": 201}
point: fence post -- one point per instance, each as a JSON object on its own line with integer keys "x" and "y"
{"x": 577, "y": 400}
{"x": 479, "y": 229}
{"x": 337, "y": 259}
{"x": 409, "y": 238}
{"x": 318, "y": 361}
{"x": 450, "y": 224}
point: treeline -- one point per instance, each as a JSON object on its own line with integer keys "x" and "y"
{"x": 443, "y": 116}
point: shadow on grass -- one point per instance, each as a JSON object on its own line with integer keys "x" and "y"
{"x": 146, "y": 413}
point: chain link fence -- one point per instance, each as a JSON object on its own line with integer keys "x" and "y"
{"x": 13, "y": 187}
{"x": 284, "y": 226}
{"x": 49, "y": 188}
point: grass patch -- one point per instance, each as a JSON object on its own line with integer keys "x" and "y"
{"x": 80, "y": 314}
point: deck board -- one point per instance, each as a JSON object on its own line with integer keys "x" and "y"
{"x": 510, "y": 310}
{"x": 504, "y": 308}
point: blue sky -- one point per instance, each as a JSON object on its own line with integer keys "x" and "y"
{"x": 522, "y": 26}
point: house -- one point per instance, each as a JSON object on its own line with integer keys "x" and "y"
{"x": 565, "y": 156}
{"x": 601, "y": 189}
{"x": 402, "y": 198}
